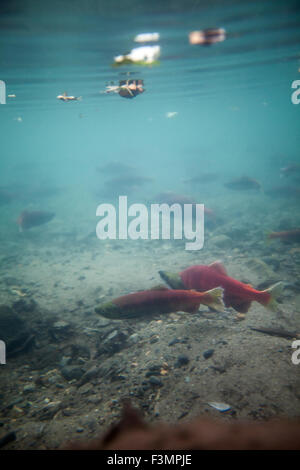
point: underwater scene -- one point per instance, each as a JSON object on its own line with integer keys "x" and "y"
{"x": 149, "y": 208}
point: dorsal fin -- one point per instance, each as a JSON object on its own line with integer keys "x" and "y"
{"x": 218, "y": 266}
{"x": 159, "y": 287}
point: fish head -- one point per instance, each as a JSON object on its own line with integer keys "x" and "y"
{"x": 172, "y": 279}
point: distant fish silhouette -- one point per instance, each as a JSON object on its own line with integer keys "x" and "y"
{"x": 243, "y": 183}
{"x": 29, "y": 219}
{"x": 289, "y": 170}
{"x": 288, "y": 235}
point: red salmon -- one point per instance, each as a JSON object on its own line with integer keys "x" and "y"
{"x": 160, "y": 301}
{"x": 288, "y": 235}
{"x": 236, "y": 294}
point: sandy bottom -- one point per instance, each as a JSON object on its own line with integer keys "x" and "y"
{"x": 70, "y": 384}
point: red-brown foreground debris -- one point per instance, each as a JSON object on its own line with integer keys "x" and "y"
{"x": 132, "y": 433}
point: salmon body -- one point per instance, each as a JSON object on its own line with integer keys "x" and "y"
{"x": 29, "y": 219}
{"x": 160, "y": 301}
{"x": 236, "y": 294}
{"x": 289, "y": 235}
{"x": 243, "y": 183}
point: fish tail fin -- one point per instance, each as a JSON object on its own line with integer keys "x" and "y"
{"x": 274, "y": 291}
{"x": 172, "y": 279}
{"x": 214, "y": 298}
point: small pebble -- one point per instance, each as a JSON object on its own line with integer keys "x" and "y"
{"x": 154, "y": 339}
{"x": 208, "y": 353}
{"x": 29, "y": 388}
{"x": 182, "y": 360}
{"x": 155, "y": 381}
{"x": 174, "y": 341}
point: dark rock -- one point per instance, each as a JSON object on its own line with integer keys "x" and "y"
{"x": 174, "y": 341}
{"x": 182, "y": 360}
{"x": 208, "y": 353}
{"x": 220, "y": 369}
{"x": 154, "y": 369}
{"x": 60, "y": 386}
{"x": 155, "y": 381}
{"x": 29, "y": 388}
{"x": 154, "y": 339}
